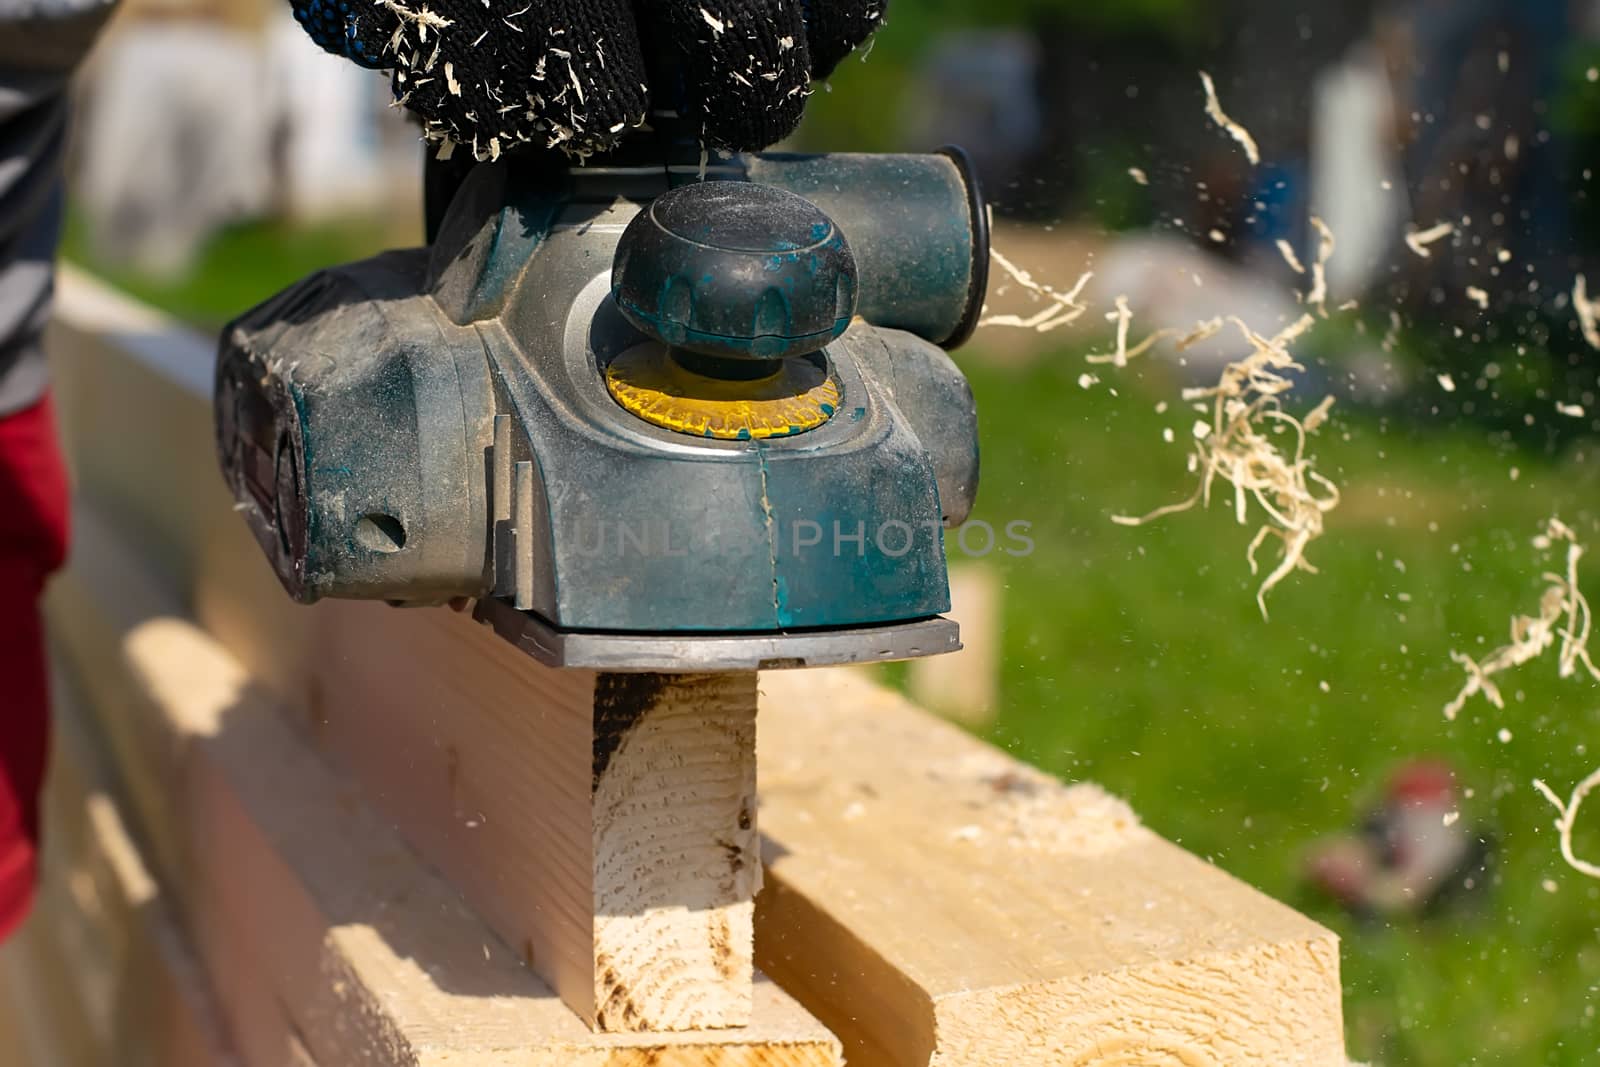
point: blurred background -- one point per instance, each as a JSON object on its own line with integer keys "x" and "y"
{"x": 220, "y": 156}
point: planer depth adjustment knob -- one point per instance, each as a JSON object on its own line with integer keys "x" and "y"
{"x": 739, "y": 286}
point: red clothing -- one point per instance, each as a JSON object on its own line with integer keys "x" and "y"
{"x": 33, "y": 543}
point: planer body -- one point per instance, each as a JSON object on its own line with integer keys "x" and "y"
{"x": 649, "y": 416}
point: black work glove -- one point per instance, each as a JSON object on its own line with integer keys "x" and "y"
{"x": 494, "y": 75}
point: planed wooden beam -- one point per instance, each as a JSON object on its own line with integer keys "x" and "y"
{"x": 320, "y": 927}
{"x": 620, "y": 857}
{"x": 937, "y": 902}
{"x": 931, "y": 900}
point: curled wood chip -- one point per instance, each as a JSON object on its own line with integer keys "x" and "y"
{"x": 1563, "y": 614}
{"x": 1123, "y": 316}
{"x": 1286, "y": 250}
{"x": 1319, "y": 270}
{"x": 1061, "y": 309}
{"x": 1418, "y": 241}
{"x": 1220, "y": 117}
{"x": 1237, "y": 446}
{"x": 1138, "y": 176}
{"x": 1479, "y": 297}
{"x": 1567, "y": 815}
{"x": 1585, "y": 309}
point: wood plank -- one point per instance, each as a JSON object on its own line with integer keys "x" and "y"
{"x": 304, "y": 900}
{"x": 100, "y": 973}
{"x": 909, "y": 935}
{"x": 997, "y": 916}
{"x": 14, "y": 1020}
{"x": 114, "y": 921}
{"x": 964, "y": 686}
{"x": 621, "y": 856}
{"x": 126, "y": 384}
{"x": 38, "y": 983}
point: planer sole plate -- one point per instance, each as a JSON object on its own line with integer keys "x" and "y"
{"x": 693, "y": 653}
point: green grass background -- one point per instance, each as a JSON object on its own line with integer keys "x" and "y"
{"x": 1136, "y": 658}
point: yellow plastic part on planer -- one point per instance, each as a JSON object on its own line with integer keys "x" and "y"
{"x": 650, "y": 384}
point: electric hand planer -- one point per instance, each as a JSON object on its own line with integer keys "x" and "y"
{"x": 651, "y": 416}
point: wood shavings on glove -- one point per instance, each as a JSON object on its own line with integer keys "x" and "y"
{"x": 497, "y": 75}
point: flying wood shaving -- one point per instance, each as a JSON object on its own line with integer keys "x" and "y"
{"x": 1247, "y": 407}
{"x": 1567, "y": 814}
{"x": 1286, "y": 250}
{"x": 1123, "y": 317}
{"x": 1319, "y": 270}
{"x": 1138, "y": 176}
{"x": 1393, "y": 334}
{"x": 1418, "y": 242}
{"x": 1062, "y": 308}
{"x": 1478, "y": 296}
{"x": 1220, "y": 117}
{"x": 1585, "y": 309}
{"x": 1563, "y": 613}
{"x": 1202, "y": 331}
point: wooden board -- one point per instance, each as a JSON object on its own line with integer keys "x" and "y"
{"x": 100, "y": 972}
{"x": 320, "y": 927}
{"x": 620, "y": 857}
{"x": 935, "y": 901}
{"x": 987, "y": 911}
{"x": 36, "y": 981}
{"x": 964, "y": 686}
